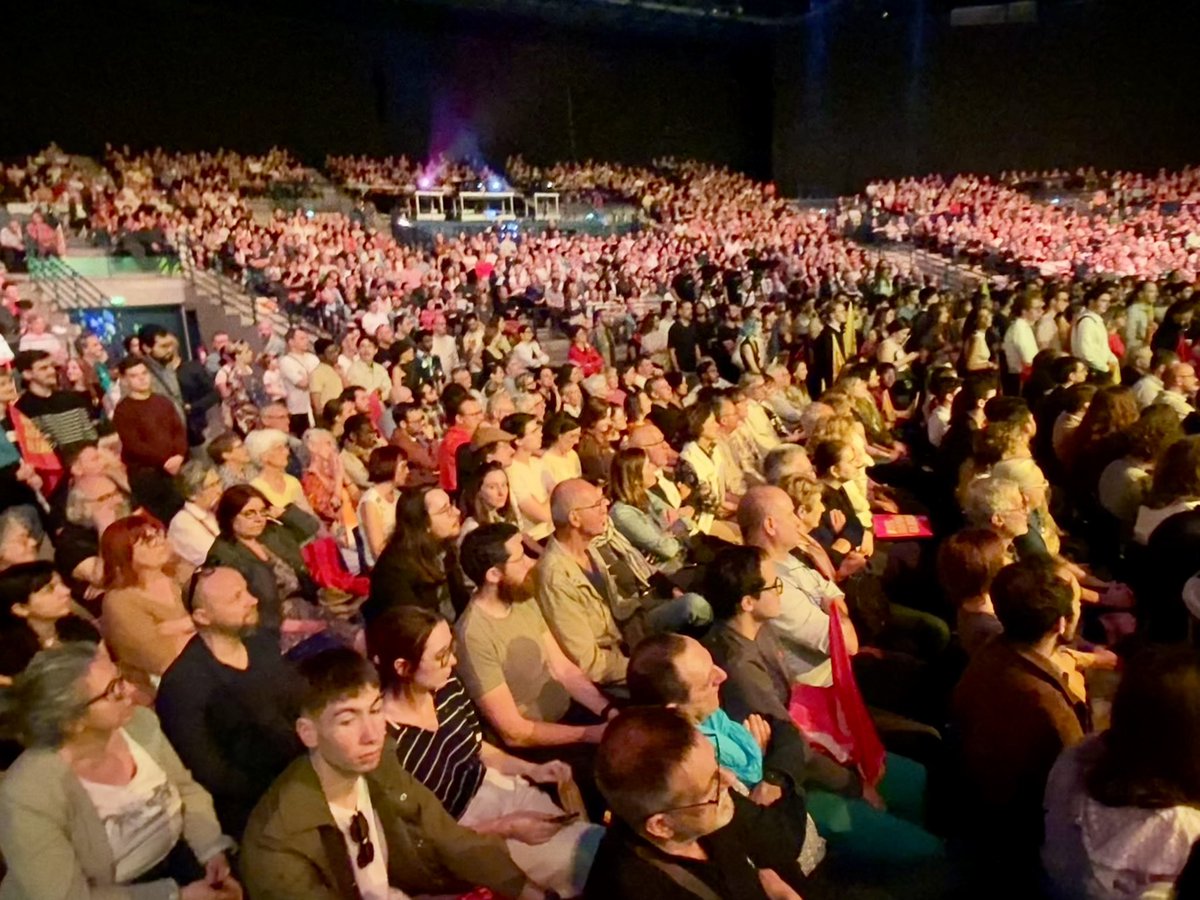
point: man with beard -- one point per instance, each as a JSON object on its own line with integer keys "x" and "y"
{"x": 514, "y": 669}
{"x": 186, "y": 384}
{"x": 1013, "y": 714}
{"x": 227, "y": 702}
{"x": 345, "y": 820}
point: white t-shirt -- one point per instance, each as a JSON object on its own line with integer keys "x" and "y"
{"x": 143, "y": 819}
{"x": 372, "y": 879}
{"x": 295, "y": 368}
{"x": 525, "y": 482}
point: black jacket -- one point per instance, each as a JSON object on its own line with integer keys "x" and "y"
{"x": 758, "y": 837}
{"x": 234, "y": 730}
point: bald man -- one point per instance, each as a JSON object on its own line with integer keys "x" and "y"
{"x": 768, "y": 520}
{"x": 574, "y": 588}
{"x": 227, "y": 701}
{"x": 1179, "y": 388}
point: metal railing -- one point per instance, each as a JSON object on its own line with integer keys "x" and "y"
{"x": 211, "y": 281}
{"x": 66, "y": 287}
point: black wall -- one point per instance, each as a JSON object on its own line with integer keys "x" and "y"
{"x": 867, "y": 95}
{"x": 377, "y": 78}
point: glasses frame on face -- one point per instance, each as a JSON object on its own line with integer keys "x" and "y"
{"x": 775, "y": 587}
{"x": 113, "y": 691}
{"x": 248, "y": 514}
{"x": 603, "y": 500}
{"x": 714, "y": 801}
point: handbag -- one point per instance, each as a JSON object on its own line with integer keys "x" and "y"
{"x": 835, "y": 718}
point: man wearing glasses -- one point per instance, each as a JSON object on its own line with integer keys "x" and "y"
{"x": 681, "y": 833}
{"x": 346, "y": 820}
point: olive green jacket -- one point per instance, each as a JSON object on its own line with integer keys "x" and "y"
{"x": 293, "y": 850}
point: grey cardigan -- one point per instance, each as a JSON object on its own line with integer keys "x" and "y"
{"x": 54, "y": 842}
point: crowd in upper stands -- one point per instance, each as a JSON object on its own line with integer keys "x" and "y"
{"x": 791, "y": 576}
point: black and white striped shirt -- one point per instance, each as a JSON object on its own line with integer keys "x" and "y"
{"x": 446, "y": 761}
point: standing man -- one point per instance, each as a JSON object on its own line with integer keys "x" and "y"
{"x": 1020, "y": 344}
{"x": 829, "y": 350}
{"x": 154, "y": 442}
{"x": 295, "y": 367}
{"x": 325, "y": 382}
{"x": 62, "y": 416}
{"x": 682, "y": 342}
{"x": 1089, "y": 337}
{"x": 186, "y": 384}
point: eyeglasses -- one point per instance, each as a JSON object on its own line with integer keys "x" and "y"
{"x": 253, "y": 514}
{"x": 361, "y": 835}
{"x": 189, "y": 596}
{"x": 774, "y": 588}
{"x": 115, "y": 689}
{"x": 603, "y": 501}
{"x": 712, "y": 801}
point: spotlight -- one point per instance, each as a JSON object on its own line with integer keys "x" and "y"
{"x": 495, "y": 184}
{"x": 425, "y": 182}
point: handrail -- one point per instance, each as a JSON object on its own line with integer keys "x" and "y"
{"x": 224, "y": 286}
{"x": 67, "y": 287}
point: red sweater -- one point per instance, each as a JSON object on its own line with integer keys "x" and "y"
{"x": 151, "y": 431}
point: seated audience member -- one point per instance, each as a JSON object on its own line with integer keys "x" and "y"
{"x": 701, "y": 467}
{"x": 575, "y": 590}
{"x": 560, "y": 461}
{"x": 35, "y": 613}
{"x": 270, "y": 454}
{"x": 1012, "y": 714}
{"x": 967, "y": 564}
{"x": 679, "y": 831}
{"x": 228, "y": 453}
{"x": 1175, "y": 488}
{"x": 93, "y": 761}
{"x": 595, "y": 446}
{"x": 641, "y": 515}
{"x": 418, "y": 566}
{"x": 145, "y": 623}
{"x": 21, "y": 536}
{"x": 266, "y": 553}
{"x": 415, "y": 438}
{"x": 768, "y": 521}
{"x": 93, "y": 503}
{"x": 227, "y": 702}
{"x": 438, "y": 739}
{"x": 344, "y": 820}
{"x": 1121, "y": 811}
{"x": 848, "y": 811}
{"x": 524, "y": 684}
{"x": 465, "y": 413}
{"x": 784, "y": 460}
{"x": 1125, "y": 483}
{"x": 526, "y": 477}
{"x": 1179, "y": 389}
{"x": 330, "y": 492}
{"x": 486, "y": 499}
{"x": 154, "y": 444}
{"x": 359, "y": 440}
{"x": 194, "y": 528}
{"x": 999, "y": 505}
{"x": 387, "y": 470}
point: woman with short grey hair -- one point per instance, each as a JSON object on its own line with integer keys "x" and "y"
{"x": 194, "y": 528}
{"x": 99, "y": 804}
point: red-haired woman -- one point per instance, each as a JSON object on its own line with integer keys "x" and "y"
{"x": 144, "y": 620}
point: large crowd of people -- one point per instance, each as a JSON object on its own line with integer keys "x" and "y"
{"x": 1133, "y": 225}
{"x": 792, "y": 576}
